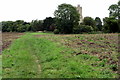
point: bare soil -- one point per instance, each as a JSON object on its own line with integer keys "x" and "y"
{"x": 104, "y": 46}
{"x": 8, "y": 38}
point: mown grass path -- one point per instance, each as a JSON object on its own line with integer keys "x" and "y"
{"x": 18, "y": 60}
{"x": 37, "y": 61}
{"x": 53, "y": 56}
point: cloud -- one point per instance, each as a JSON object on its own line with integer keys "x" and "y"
{"x": 40, "y": 9}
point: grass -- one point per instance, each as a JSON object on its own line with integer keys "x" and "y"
{"x": 0, "y": 66}
{"x": 26, "y": 54}
{"x": 40, "y": 33}
{"x": 18, "y": 61}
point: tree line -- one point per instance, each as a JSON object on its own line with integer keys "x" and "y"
{"x": 34, "y": 25}
{"x": 66, "y": 21}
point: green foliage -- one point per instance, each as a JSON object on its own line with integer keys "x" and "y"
{"x": 56, "y": 31}
{"x": 90, "y": 22}
{"x": 49, "y": 24}
{"x": 67, "y": 21}
{"x": 56, "y": 61}
{"x": 67, "y": 17}
{"x": 7, "y": 26}
{"x": 19, "y": 63}
{"x": 119, "y": 10}
{"x": 36, "y": 25}
{"x": 21, "y": 26}
{"x": 98, "y": 23}
{"x": 110, "y": 25}
{"x": 15, "y": 26}
{"x": 82, "y": 29}
{"x": 113, "y": 11}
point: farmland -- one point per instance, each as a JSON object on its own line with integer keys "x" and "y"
{"x": 46, "y": 55}
{"x": 7, "y": 38}
{"x": 0, "y": 66}
{"x": 0, "y": 55}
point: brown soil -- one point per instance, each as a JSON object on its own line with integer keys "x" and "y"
{"x": 104, "y": 46}
{"x": 8, "y": 38}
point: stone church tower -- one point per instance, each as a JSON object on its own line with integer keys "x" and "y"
{"x": 79, "y": 9}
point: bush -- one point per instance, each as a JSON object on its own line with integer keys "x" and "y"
{"x": 56, "y": 31}
{"x": 83, "y": 28}
{"x": 96, "y": 32}
{"x": 87, "y": 29}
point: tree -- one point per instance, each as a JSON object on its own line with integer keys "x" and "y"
{"x": 110, "y": 24}
{"x": 119, "y": 10}
{"x": 115, "y": 14}
{"x": 15, "y": 26}
{"x": 4, "y": 26}
{"x": 83, "y": 29}
{"x": 67, "y": 17}
{"x": 18, "y": 25}
{"x": 48, "y": 23}
{"x": 0, "y": 26}
{"x": 113, "y": 10}
{"x": 27, "y": 25}
{"x": 98, "y": 23}
{"x": 90, "y": 22}
{"x": 36, "y": 25}
{"x": 7, "y": 26}
{"x": 119, "y": 15}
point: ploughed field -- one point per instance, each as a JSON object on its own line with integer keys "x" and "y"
{"x": 46, "y": 55}
{"x": 8, "y": 37}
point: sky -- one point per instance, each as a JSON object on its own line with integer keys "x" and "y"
{"x": 28, "y": 10}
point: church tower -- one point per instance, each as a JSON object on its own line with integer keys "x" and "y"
{"x": 79, "y": 9}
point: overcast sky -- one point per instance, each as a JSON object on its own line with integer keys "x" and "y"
{"x": 29, "y": 10}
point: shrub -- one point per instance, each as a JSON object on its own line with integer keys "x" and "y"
{"x": 56, "y": 31}
{"x": 83, "y": 28}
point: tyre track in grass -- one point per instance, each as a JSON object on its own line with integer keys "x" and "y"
{"x": 37, "y": 62}
{"x": 33, "y": 68}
